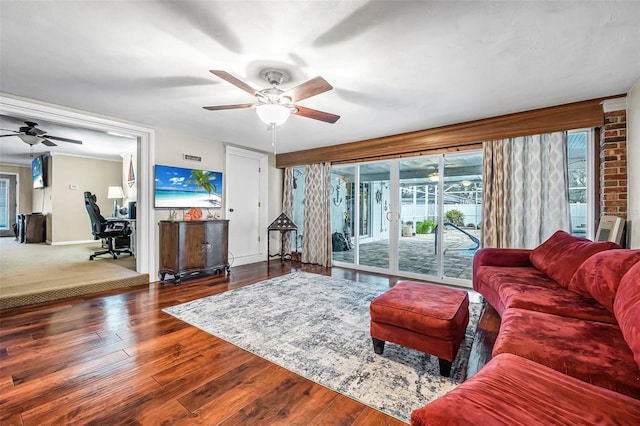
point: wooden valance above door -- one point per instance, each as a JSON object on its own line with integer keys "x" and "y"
{"x": 456, "y": 137}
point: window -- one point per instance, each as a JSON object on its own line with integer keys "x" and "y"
{"x": 298, "y": 205}
{"x": 4, "y": 204}
{"x": 579, "y": 200}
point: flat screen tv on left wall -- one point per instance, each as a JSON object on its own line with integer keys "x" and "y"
{"x": 181, "y": 188}
{"x": 39, "y": 172}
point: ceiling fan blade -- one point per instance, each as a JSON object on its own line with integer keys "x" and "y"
{"x": 32, "y": 131}
{"x": 6, "y": 136}
{"x": 309, "y": 88}
{"x": 316, "y": 115}
{"x": 220, "y": 107}
{"x": 63, "y": 140}
{"x": 47, "y": 142}
{"x": 236, "y": 82}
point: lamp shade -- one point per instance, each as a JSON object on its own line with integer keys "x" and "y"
{"x": 273, "y": 114}
{"x": 115, "y": 192}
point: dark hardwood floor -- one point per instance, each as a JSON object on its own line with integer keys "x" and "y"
{"x": 115, "y": 358}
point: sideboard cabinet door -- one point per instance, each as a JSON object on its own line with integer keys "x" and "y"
{"x": 193, "y": 248}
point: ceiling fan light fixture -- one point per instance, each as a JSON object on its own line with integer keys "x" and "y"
{"x": 30, "y": 139}
{"x": 273, "y": 113}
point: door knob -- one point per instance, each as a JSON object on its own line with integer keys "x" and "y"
{"x": 231, "y": 210}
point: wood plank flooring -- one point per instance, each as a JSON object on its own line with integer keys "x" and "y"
{"x": 115, "y": 358}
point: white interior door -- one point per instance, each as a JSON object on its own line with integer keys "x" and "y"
{"x": 245, "y": 204}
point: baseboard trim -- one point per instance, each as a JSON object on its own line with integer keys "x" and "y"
{"x": 68, "y": 243}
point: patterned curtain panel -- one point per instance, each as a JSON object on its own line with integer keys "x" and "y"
{"x": 525, "y": 190}
{"x": 287, "y": 203}
{"x": 316, "y": 244}
{"x": 495, "y": 195}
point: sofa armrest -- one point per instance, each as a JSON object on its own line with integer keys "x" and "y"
{"x": 501, "y": 257}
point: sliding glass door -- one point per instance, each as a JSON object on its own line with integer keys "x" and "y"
{"x": 360, "y": 207}
{"x": 416, "y": 217}
{"x": 418, "y": 207}
{"x": 343, "y": 185}
{"x": 373, "y": 225}
{"x": 461, "y": 213}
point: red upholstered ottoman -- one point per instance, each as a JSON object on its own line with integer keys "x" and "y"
{"x": 426, "y": 317}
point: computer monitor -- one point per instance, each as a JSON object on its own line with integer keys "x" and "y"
{"x": 610, "y": 229}
{"x": 132, "y": 209}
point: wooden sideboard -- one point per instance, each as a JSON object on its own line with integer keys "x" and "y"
{"x": 193, "y": 248}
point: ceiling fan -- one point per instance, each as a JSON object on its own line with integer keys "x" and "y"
{"x": 31, "y": 135}
{"x": 275, "y": 105}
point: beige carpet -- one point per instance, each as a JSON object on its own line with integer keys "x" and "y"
{"x": 33, "y": 273}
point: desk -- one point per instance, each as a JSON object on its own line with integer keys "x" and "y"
{"x": 31, "y": 227}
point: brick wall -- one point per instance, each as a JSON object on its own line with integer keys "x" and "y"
{"x": 613, "y": 164}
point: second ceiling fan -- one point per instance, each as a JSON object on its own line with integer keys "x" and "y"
{"x": 273, "y": 104}
{"x": 32, "y": 135}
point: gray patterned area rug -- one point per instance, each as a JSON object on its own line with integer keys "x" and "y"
{"x": 318, "y": 327}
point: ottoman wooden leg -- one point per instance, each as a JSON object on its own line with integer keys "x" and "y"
{"x": 445, "y": 367}
{"x": 378, "y": 345}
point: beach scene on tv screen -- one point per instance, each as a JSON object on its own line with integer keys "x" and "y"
{"x": 37, "y": 173}
{"x": 177, "y": 187}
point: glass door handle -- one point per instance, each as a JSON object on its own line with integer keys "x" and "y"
{"x": 388, "y": 216}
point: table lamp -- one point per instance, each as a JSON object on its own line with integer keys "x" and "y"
{"x": 114, "y": 193}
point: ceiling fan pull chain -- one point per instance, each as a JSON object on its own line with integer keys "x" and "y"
{"x": 273, "y": 137}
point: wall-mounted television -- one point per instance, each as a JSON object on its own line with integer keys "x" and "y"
{"x": 177, "y": 187}
{"x": 39, "y": 172}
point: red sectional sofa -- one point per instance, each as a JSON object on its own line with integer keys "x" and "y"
{"x": 568, "y": 350}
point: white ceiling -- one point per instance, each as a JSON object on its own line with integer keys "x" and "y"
{"x": 395, "y": 66}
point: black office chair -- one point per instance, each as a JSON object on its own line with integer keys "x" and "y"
{"x": 108, "y": 229}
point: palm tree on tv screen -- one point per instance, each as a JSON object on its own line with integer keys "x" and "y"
{"x": 204, "y": 180}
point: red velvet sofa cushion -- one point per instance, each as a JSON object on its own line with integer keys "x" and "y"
{"x": 511, "y": 390}
{"x": 489, "y": 279}
{"x": 593, "y": 352}
{"x": 600, "y": 275}
{"x": 557, "y": 301}
{"x": 562, "y": 254}
{"x": 627, "y": 309}
{"x": 528, "y": 288}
